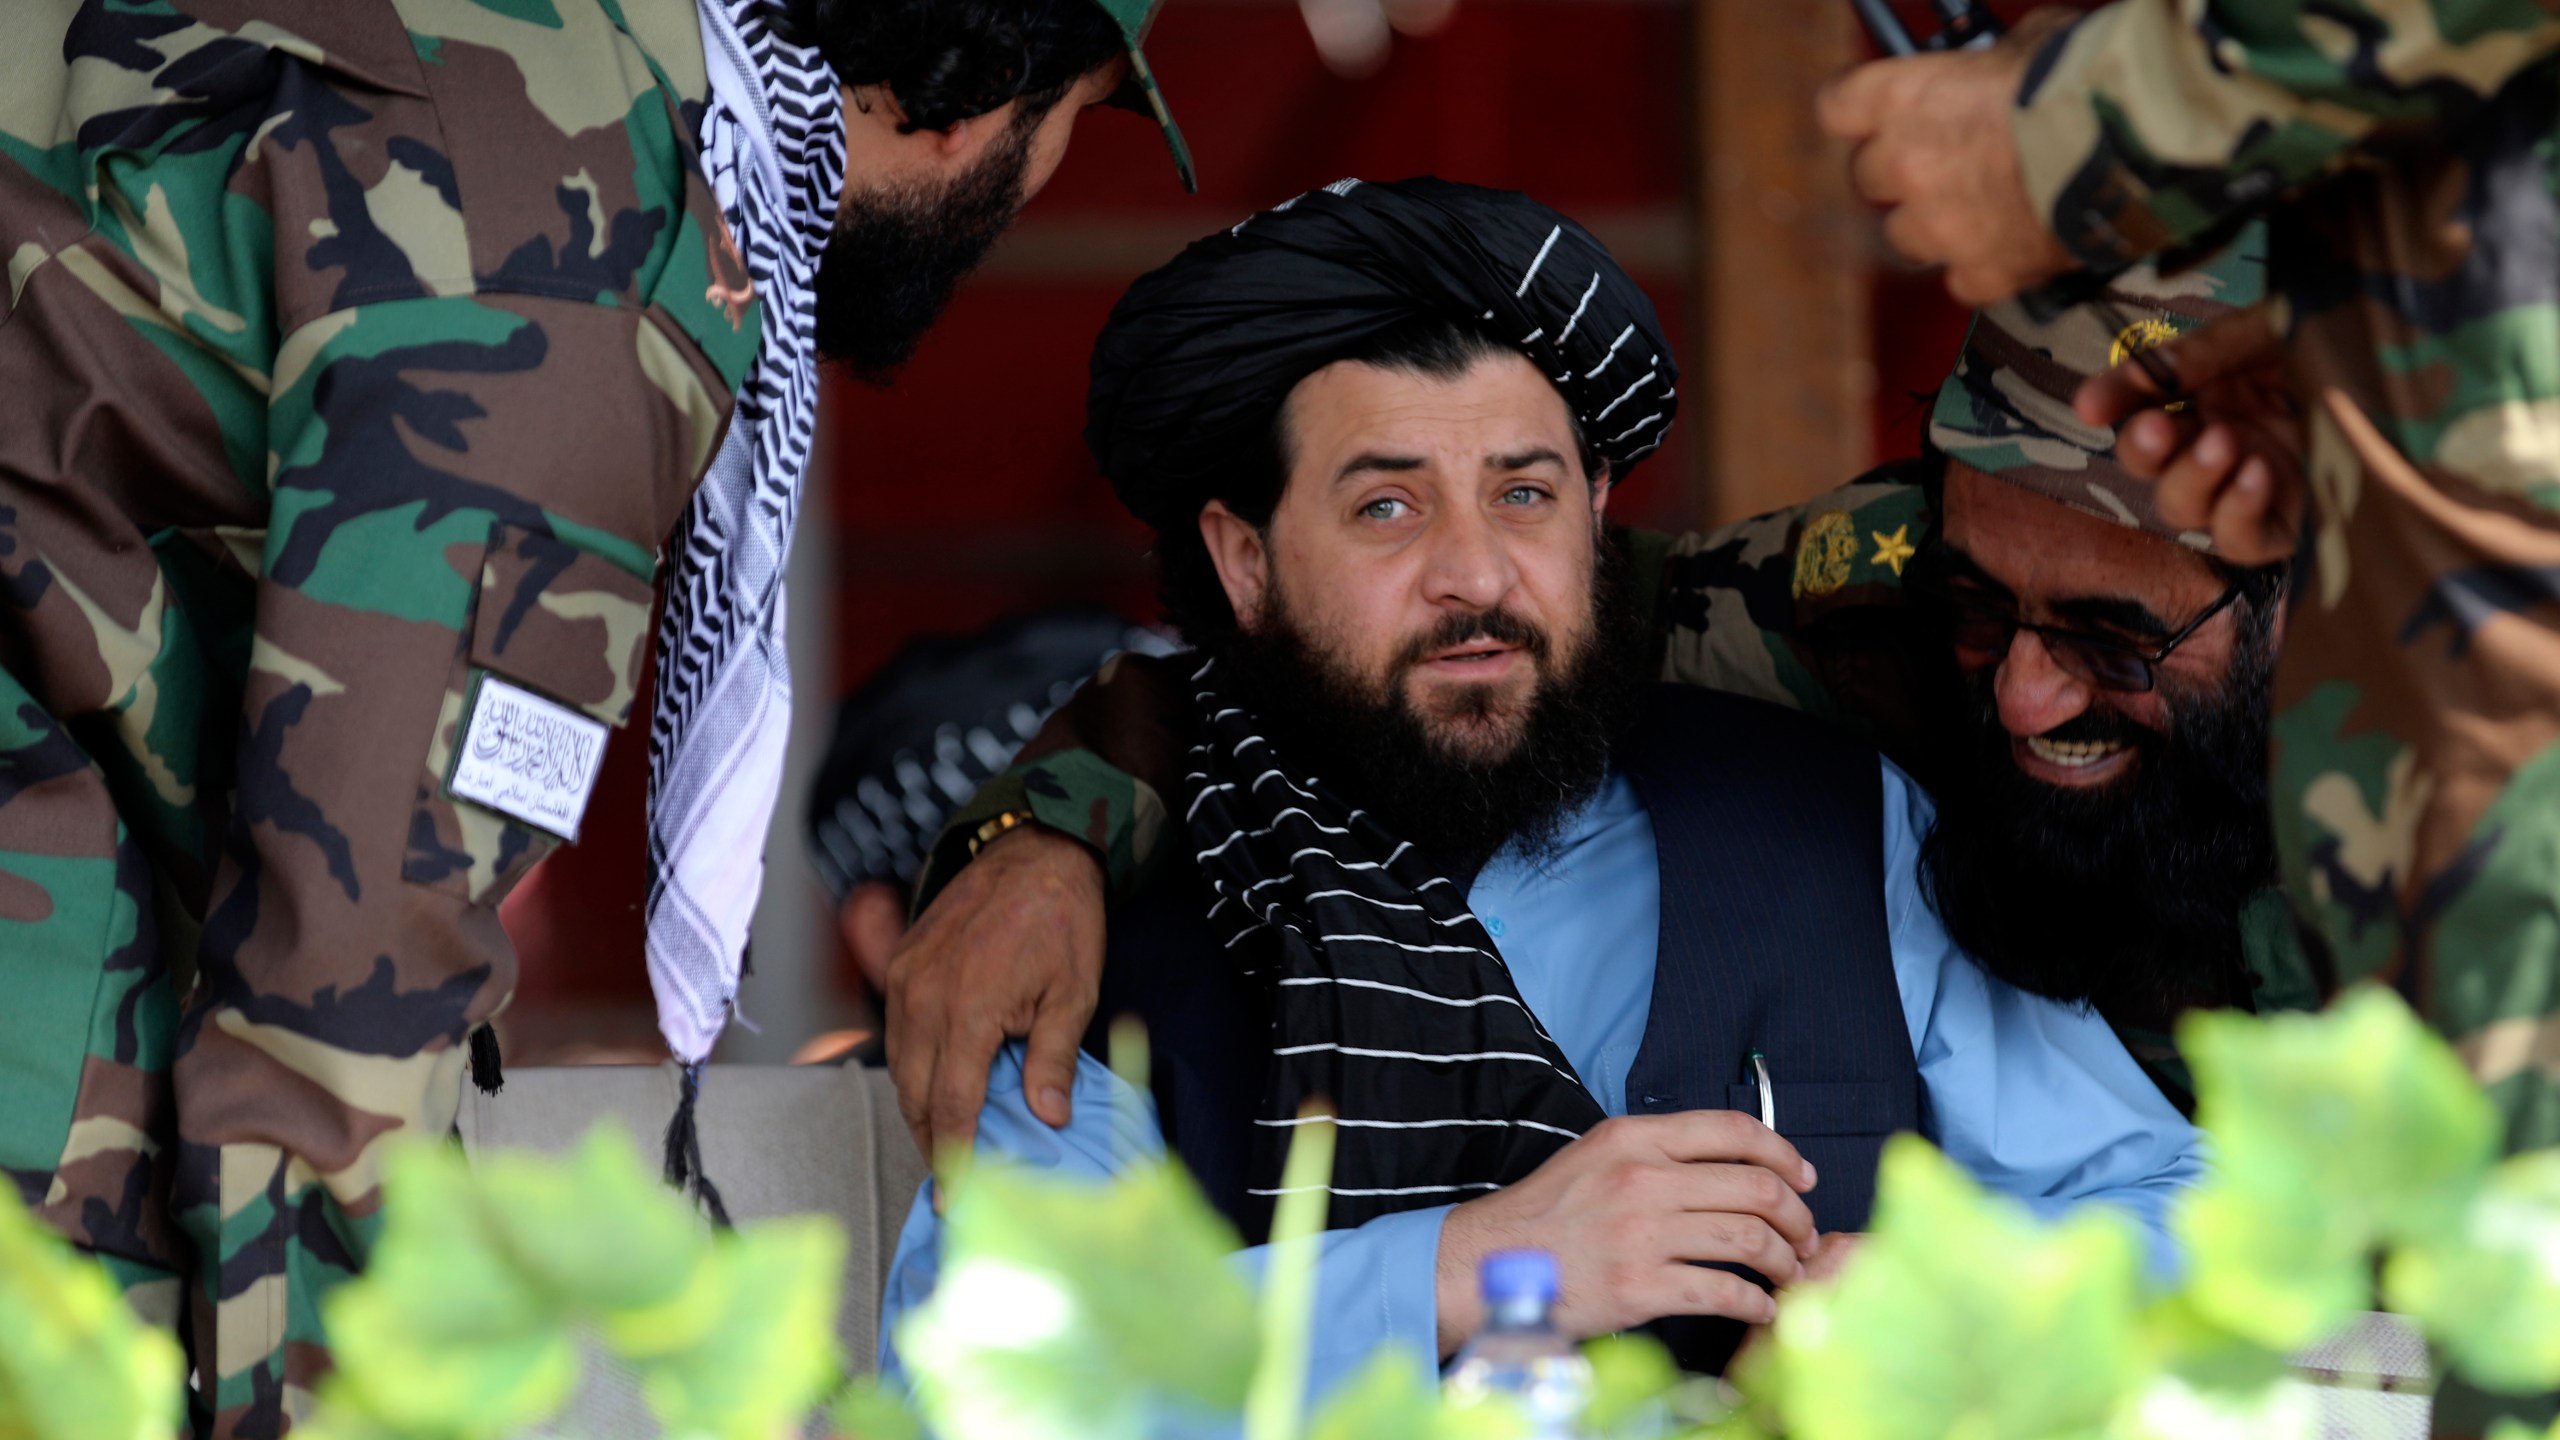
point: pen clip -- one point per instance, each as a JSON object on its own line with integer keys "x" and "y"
{"x": 1768, "y": 1091}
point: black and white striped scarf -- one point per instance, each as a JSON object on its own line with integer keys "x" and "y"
{"x": 1389, "y": 1000}
{"x": 772, "y": 145}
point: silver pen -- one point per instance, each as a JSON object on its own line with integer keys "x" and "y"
{"x": 1768, "y": 1091}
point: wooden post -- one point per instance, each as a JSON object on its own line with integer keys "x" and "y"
{"x": 1783, "y": 259}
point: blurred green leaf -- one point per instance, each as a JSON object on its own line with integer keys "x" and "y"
{"x": 2273, "y": 1262}
{"x": 75, "y": 1362}
{"x": 2169, "y": 1408}
{"x": 1131, "y": 1059}
{"x": 1736, "y": 1426}
{"x": 334, "y": 1419}
{"x": 2519, "y": 1430}
{"x": 1393, "y": 1398}
{"x": 2333, "y": 1134}
{"x": 2488, "y": 1288}
{"x": 869, "y": 1410}
{"x": 1070, "y": 1309}
{"x": 2200, "y": 1353}
{"x": 492, "y": 1384}
{"x": 442, "y": 1336}
{"x": 598, "y": 1230}
{"x": 1630, "y": 1375}
{"x": 1960, "y": 1315}
{"x": 675, "y": 1324}
{"x": 768, "y": 1349}
{"x": 1275, "y": 1402}
{"x": 466, "y": 1322}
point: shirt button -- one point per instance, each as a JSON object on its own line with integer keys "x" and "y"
{"x": 1493, "y": 925}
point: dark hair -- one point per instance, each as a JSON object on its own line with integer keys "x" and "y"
{"x": 1433, "y": 346}
{"x": 949, "y": 60}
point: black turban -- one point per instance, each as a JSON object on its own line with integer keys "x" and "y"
{"x": 1200, "y": 354}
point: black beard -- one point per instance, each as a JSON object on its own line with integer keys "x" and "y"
{"x": 2127, "y": 896}
{"x": 894, "y": 260}
{"x": 1364, "y": 735}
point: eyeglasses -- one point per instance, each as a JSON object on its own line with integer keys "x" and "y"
{"x": 1982, "y": 627}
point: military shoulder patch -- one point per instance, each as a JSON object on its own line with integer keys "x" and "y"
{"x": 528, "y": 758}
{"x": 1824, "y": 553}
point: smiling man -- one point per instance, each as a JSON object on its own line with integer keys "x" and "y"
{"x": 1637, "y": 975}
{"x": 2103, "y": 831}
{"x": 2103, "y": 827}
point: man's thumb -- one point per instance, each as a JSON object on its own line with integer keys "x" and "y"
{"x": 1049, "y": 1070}
{"x": 2208, "y": 353}
{"x": 2224, "y": 346}
{"x": 1845, "y": 105}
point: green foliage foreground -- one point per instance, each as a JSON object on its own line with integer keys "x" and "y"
{"x": 2353, "y": 1153}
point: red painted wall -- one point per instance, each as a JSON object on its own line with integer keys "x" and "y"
{"x": 966, "y": 492}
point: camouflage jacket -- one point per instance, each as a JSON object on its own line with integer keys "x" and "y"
{"x": 2416, "y": 727}
{"x": 1803, "y": 607}
{"x": 355, "y": 352}
{"x": 2150, "y": 123}
{"x": 2417, "y": 724}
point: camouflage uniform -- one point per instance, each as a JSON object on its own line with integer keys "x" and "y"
{"x": 2417, "y": 725}
{"x": 1803, "y": 608}
{"x": 354, "y": 351}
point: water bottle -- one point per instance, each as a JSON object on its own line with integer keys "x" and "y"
{"x": 1519, "y": 1352}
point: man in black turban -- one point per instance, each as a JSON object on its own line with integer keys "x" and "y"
{"x": 1200, "y": 355}
{"x": 1616, "y": 973}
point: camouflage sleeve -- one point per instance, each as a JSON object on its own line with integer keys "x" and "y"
{"x": 1098, "y": 770}
{"x": 2150, "y": 122}
{"x": 1802, "y": 607}
{"x": 466, "y": 490}
{"x": 360, "y": 357}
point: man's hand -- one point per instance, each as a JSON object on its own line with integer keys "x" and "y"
{"x": 1831, "y": 1256}
{"x": 1012, "y": 947}
{"x": 1626, "y": 1208}
{"x": 2228, "y": 460}
{"x": 1933, "y": 148}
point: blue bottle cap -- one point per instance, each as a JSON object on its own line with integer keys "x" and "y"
{"x": 1519, "y": 1275}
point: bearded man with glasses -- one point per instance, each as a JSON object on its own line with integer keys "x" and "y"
{"x": 2100, "y": 761}
{"x": 2082, "y": 688}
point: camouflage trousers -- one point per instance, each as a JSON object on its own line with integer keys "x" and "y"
{"x": 211, "y": 1179}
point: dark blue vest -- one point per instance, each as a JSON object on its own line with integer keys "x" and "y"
{"x": 1769, "y": 830}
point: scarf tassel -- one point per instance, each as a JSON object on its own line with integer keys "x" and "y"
{"x": 684, "y": 1152}
{"x": 485, "y": 1072}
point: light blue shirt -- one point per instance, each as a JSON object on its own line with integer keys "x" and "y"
{"x": 2035, "y": 1099}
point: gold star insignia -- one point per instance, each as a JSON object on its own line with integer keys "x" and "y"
{"x": 2149, "y": 332}
{"x": 1893, "y": 549}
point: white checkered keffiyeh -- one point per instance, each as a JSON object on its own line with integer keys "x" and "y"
{"x": 773, "y": 147}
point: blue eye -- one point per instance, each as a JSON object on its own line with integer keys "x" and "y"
{"x": 1523, "y": 495}
{"x": 1383, "y": 508}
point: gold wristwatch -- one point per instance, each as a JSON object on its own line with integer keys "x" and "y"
{"x": 996, "y": 825}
